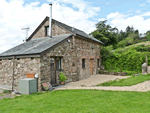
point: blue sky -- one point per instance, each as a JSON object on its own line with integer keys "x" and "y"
{"x": 82, "y": 14}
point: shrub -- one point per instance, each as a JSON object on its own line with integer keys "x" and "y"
{"x": 127, "y": 41}
{"x": 7, "y": 91}
{"x": 106, "y": 52}
{"x": 130, "y": 60}
{"x": 62, "y": 77}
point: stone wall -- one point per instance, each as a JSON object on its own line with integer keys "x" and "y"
{"x": 63, "y": 50}
{"x": 86, "y": 49}
{"x": 72, "y": 53}
{"x": 56, "y": 30}
{"x": 22, "y": 67}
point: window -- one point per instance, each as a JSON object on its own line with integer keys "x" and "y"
{"x": 32, "y": 58}
{"x": 52, "y": 64}
{"x": 46, "y": 30}
{"x": 98, "y": 63}
{"x": 83, "y": 63}
{"x": 59, "y": 63}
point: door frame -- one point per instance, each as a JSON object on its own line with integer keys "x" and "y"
{"x": 56, "y": 71}
{"x": 91, "y": 66}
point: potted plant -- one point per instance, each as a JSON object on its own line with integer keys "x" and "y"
{"x": 63, "y": 78}
{"x": 45, "y": 86}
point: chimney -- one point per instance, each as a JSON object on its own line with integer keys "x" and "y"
{"x": 50, "y": 21}
{"x": 73, "y": 28}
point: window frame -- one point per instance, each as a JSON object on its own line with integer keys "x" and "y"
{"x": 59, "y": 66}
{"x": 83, "y": 63}
{"x": 46, "y": 31}
{"x": 98, "y": 61}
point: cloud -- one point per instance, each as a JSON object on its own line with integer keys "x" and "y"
{"x": 15, "y": 15}
{"x": 116, "y": 15}
{"x": 129, "y": 10}
{"x": 138, "y": 11}
{"x": 107, "y": 3}
{"x": 148, "y": 1}
{"x": 143, "y": 4}
{"x": 122, "y": 21}
{"x": 102, "y": 19}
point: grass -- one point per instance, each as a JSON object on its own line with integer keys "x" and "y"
{"x": 140, "y": 43}
{"x": 129, "y": 73}
{"x": 128, "y": 81}
{"x": 1, "y": 94}
{"x": 79, "y": 101}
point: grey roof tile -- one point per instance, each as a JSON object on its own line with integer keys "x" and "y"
{"x": 69, "y": 28}
{"x": 76, "y": 31}
{"x": 35, "y": 46}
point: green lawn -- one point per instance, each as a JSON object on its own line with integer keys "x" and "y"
{"x": 79, "y": 101}
{"x": 127, "y": 82}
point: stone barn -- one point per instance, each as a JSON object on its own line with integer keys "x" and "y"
{"x": 68, "y": 50}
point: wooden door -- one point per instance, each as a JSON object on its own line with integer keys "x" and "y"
{"x": 53, "y": 71}
{"x": 91, "y": 66}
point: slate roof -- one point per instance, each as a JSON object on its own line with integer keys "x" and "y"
{"x": 67, "y": 27}
{"x": 76, "y": 31}
{"x": 39, "y": 45}
{"x": 35, "y": 46}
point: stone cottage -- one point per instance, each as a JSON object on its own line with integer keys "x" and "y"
{"x": 68, "y": 50}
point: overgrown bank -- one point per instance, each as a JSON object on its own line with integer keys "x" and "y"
{"x": 130, "y": 59}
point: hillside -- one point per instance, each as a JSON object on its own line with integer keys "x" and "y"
{"x": 129, "y": 58}
{"x": 141, "y": 43}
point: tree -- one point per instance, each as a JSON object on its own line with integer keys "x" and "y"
{"x": 148, "y": 35}
{"x": 105, "y": 33}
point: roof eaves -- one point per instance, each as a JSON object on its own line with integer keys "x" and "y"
{"x": 90, "y": 39}
{"x": 21, "y": 56}
{"x": 55, "y": 45}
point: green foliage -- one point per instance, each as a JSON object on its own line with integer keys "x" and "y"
{"x": 142, "y": 48}
{"x": 127, "y": 41}
{"x": 106, "y": 52}
{"x": 7, "y": 91}
{"x": 127, "y": 82}
{"x": 105, "y": 33}
{"x": 62, "y": 77}
{"x": 130, "y": 60}
{"x": 129, "y": 73}
{"x": 148, "y": 37}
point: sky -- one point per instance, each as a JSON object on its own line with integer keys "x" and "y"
{"x": 81, "y": 14}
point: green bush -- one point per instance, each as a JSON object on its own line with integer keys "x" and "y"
{"x": 62, "y": 77}
{"x": 127, "y": 41}
{"x": 130, "y": 60}
{"x": 106, "y": 52}
{"x": 7, "y": 91}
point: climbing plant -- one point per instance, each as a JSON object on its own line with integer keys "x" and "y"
{"x": 130, "y": 60}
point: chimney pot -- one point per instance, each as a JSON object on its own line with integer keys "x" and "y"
{"x": 50, "y": 21}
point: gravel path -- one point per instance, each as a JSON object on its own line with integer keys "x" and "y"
{"x": 97, "y": 79}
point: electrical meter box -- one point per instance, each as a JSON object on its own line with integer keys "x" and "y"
{"x": 27, "y": 86}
